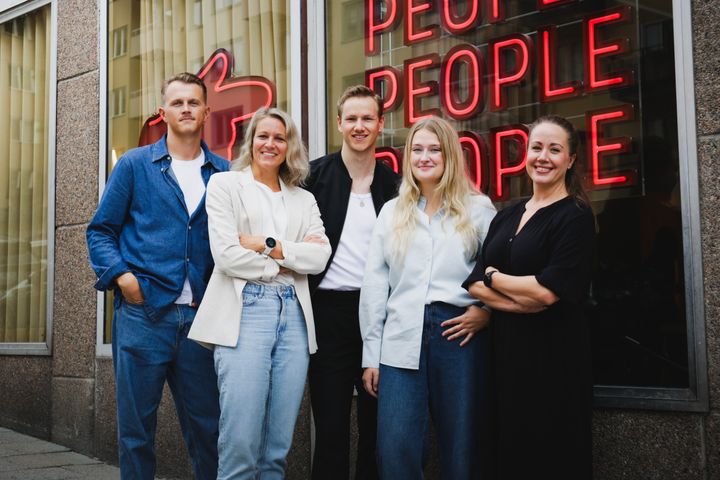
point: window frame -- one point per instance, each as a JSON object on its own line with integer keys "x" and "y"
{"x": 16, "y": 8}
{"x": 695, "y": 397}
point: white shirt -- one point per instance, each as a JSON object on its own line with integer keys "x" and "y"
{"x": 275, "y": 222}
{"x": 188, "y": 175}
{"x": 395, "y": 290}
{"x": 348, "y": 264}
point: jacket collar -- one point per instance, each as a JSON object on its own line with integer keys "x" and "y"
{"x": 247, "y": 178}
{"x": 250, "y": 196}
{"x": 159, "y": 152}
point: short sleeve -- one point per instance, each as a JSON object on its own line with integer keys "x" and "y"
{"x": 569, "y": 266}
{"x": 478, "y": 272}
{"x": 476, "y": 275}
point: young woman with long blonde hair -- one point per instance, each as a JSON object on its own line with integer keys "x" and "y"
{"x": 423, "y": 336}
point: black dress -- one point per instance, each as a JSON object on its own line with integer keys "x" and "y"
{"x": 541, "y": 385}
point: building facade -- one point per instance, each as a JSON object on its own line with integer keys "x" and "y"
{"x": 80, "y": 80}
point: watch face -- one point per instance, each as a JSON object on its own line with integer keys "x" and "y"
{"x": 270, "y": 242}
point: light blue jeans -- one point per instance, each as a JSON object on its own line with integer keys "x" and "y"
{"x": 261, "y": 383}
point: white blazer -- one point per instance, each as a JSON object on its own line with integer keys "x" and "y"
{"x": 232, "y": 201}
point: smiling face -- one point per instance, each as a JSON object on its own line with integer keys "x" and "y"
{"x": 548, "y": 156}
{"x": 426, "y": 158}
{"x": 269, "y": 145}
{"x": 359, "y": 123}
{"x": 184, "y": 109}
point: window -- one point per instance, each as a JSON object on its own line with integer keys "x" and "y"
{"x": 492, "y": 75}
{"x": 251, "y": 37}
{"x": 26, "y": 96}
{"x": 119, "y": 42}
{"x": 117, "y": 102}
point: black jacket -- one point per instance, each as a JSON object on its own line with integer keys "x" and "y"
{"x": 330, "y": 182}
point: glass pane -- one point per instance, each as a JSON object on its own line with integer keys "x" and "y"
{"x": 608, "y": 66}
{"x": 25, "y": 97}
{"x": 238, "y": 47}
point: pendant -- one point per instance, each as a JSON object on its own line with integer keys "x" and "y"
{"x": 362, "y": 203}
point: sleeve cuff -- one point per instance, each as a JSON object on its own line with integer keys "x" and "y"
{"x": 105, "y": 281}
{"x": 288, "y": 253}
{"x": 271, "y": 270}
{"x": 371, "y": 357}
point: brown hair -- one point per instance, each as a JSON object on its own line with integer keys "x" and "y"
{"x": 573, "y": 182}
{"x": 184, "y": 77}
{"x": 359, "y": 91}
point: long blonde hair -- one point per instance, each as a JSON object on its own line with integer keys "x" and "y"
{"x": 296, "y": 166}
{"x": 454, "y": 189}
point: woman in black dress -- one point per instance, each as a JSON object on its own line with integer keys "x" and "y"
{"x": 535, "y": 274}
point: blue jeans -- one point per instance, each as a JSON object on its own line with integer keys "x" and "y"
{"x": 450, "y": 385}
{"x": 145, "y": 354}
{"x": 261, "y": 381}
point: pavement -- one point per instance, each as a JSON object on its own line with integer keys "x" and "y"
{"x": 28, "y": 458}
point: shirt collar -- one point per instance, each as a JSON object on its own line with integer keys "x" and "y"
{"x": 160, "y": 152}
{"x": 422, "y": 203}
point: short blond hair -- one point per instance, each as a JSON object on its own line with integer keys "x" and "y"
{"x": 184, "y": 77}
{"x": 360, "y": 91}
{"x": 296, "y": 166}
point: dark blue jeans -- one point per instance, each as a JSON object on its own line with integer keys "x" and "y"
{"x": 450, "y": 387}
{"x": 145, "y": 354}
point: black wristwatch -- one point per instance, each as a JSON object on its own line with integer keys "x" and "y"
{"x": 269, "y": 245}
{"x": 487, "y": 278}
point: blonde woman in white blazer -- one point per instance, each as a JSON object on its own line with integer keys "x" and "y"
{"x": 266, "y": 235}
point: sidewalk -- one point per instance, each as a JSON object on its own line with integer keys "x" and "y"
{"x": 27, "y": 458}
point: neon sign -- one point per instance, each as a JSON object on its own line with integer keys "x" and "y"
{"x": 491, "y": 79}
{"x": 232, "y": 101}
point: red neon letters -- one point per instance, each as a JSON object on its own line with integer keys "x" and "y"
{"x": 456, "y": 24}
{"x": 413, "y": 32}
{"x": 501, "y": 139}
{"x": 599, "y": 147}
{"x": 374, "y": 25}
{"x": 391, "y": 77}
{"x": 520, "y": 46}
{"x": 496, "y": 11}
{"x": 471, "y": 57}
{"x": 465, "y": 76}
{"x": 414, "y": 88}
{"x": 547, "y": 66}
{"x": 545, "y": 4}
{"x": 390, "y": 157}
{"x": 595, "y": 49}
{"x": 475, "y": 150}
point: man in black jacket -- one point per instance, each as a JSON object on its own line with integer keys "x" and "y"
{"x": 350, "y": 187}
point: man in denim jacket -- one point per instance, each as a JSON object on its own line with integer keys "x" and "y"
{"x": 148, "y": 241}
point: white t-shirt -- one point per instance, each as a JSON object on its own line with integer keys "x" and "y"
{"x": 275, "y": 220}
{"x": 189, "y": 177}
{"x": 348, "y": 264}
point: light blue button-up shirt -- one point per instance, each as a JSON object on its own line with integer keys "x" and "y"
{"x": 395, "y": 290}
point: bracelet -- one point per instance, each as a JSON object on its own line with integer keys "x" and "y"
{"x": 487, "y": 279}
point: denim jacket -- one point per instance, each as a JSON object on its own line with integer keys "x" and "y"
{"x": 142, "y": 226}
